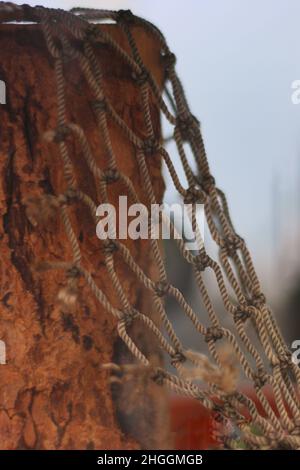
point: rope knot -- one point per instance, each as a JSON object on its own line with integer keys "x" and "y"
{"x": 125, "y": 16}
{"x": 219, "y": 418}
{"x": 260, "y": 378}
{"x": 128, "y": 317}
{"x": 241, "y": 314}
{"x": 169, "y": 60}
{"x": 187, "y": 126}
{"x": 60, "y": 134}
{"x": 258, "y": 300}
{"x": 217, "y": 411}
{"x": 100, "y": 105}
{"x": 73, "y": 272}
{"x": 177, "y": 357}
{"x": 111, "y": 175}
{"x": 109, "y": 246}
{"x": 232, "y": 244}
{"x": 92, "y": 32}
{"x": 202, "y": 261}
{"x": 284, "y": 360}
{"x": 150, "y": 146}
{"x": 213, "y": 334}
{"x": 161, "y": 288}
{"x": 208, "y": 183}
{"x": 159, "y": 376}
{"x": 140, "y": 78}
{"x": 193, "y": 195}
{"x": 70, "y": 196}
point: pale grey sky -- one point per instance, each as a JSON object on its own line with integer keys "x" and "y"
{"x": 237, "y": 60}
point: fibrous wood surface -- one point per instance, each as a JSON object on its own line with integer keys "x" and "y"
{"x": 53, "y": 393}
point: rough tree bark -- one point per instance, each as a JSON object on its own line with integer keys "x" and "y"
{"x": 53, "y": 393}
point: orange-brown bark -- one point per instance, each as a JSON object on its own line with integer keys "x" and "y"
{"x": 53, "y": 393}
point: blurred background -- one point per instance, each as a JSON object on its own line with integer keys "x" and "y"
{"x": 237, "y": 61}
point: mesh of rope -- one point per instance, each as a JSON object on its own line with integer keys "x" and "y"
{"x": 247, "y": 305}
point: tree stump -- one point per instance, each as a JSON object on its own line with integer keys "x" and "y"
{"x": 53, "y": 392}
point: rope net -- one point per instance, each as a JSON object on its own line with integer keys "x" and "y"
{"x": 267, "y": 360}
